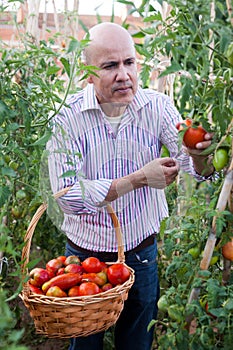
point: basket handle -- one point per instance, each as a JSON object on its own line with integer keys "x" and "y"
{"x": 116, "y": 224}
{"x": 39, "y": 213}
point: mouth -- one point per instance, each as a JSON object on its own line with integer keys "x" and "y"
{"x": 122, "y": 89}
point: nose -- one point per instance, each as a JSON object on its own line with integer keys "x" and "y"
{"x": 122, "y": 73}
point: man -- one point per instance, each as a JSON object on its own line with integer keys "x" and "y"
{"x": 106, "y": 145}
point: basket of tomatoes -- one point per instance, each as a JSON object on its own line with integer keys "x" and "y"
{"x": 70, "y": 298}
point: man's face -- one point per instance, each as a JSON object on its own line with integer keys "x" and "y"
{"x": 117, "y": 74}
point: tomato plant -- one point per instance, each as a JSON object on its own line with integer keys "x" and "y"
{"x": 24, "y": 111}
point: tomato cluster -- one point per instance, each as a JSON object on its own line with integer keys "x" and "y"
{"x": 191, "y": 133}
{"x": 71, "y": 277}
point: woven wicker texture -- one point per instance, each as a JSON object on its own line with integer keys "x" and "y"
{"x": 77, "y": 316}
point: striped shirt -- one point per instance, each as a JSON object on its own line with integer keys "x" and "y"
{"x": 85, "y": 153}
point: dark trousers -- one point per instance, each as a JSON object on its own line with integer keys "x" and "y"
{"x": 139, "y": 309}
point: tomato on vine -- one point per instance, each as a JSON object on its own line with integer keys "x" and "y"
{"x": 193, "y": 133}
{"x": 227, "y": 250}
{"x": 194, "y": 252}
{"x": 163, "y": 303}
{"x": 221, "y": 158}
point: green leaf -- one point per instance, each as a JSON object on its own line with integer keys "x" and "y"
{"x": 209, "y": 149}
{"x": 180, "y": 138}
{"x": 73, "y": 45}
{"x": 228, "y": 304}
{"x": 43, "y": 140}
{"x": 31, "y": 264}
{"x": 68, "y": 173}
{"x": 154, "y": 17}
{"x": 174, "y": 67}
{"x": 66, "y": 65}
{"x": 138, "y": 35}
{"x": 7, "y": 171}
{"x": 4, "y": 195}
{"x": 52, "y": 70}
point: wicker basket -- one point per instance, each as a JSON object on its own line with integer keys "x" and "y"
{"x": 74, "y": 316}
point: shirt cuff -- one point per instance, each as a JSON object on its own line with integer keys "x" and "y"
{"x": 95, "y": 192}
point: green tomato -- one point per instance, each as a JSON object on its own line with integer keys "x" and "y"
{"x": 194, "y": 252}
{"x": 220, "y": 158}
{"x": 16, "y": 212}
{"x": 7, "y": 158}
{"x": 213, "y": 260}
{"x": 163, "y": 303}
{"x": 215, "y": 257}
{"x": 13, "y": 165}
{"x": 176, "y": 313}
{"x": 20, "y": 194}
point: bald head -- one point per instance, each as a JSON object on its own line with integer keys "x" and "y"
{"x": 106, "y": 35}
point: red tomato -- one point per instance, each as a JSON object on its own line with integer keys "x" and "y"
{"x": 192, "y": 136}
{"x": 227, "y": 250}
{"x": 35, "y": 289}
{"x": 73, "y": 268}
{"x": 62, "y": 258}
{"x": 60, "y": 271}
{"x": 106, "y": 287}
{"x": 92, "y": 264}
{"x": 53, "y": 265}
{"x": 39, "y": 276}
{"x": 118, "y": 273}
{"x": 104, "y": 266}
{"x": 73, "y": 291}
{"x": 88, "y": 288}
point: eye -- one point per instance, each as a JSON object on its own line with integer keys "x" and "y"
{"x": 130, "y": 62}
{"x": 110, "y": 66}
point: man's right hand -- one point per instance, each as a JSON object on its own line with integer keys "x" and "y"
{"x": 160, "y": 172}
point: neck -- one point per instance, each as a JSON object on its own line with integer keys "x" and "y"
{"x": 113, "y": 109}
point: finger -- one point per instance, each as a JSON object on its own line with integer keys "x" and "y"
{"x": 203, "y": 145}
{"x": 169, "y": 162}
{"x": 208, "y": 136}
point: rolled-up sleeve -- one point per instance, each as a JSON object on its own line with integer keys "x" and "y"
{"x": 65, "y": 162}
